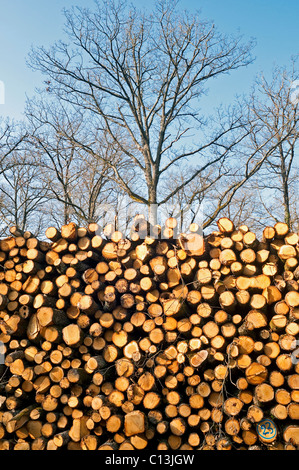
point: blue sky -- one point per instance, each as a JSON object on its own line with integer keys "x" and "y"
{"x": 273, "y": 24}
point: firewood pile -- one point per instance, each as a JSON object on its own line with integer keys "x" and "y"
{"x": 155, "y": 340}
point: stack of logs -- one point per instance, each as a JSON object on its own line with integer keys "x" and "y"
{"x": 156, "y": 340}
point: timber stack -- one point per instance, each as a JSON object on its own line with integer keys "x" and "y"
{"x": 154, "y": 340}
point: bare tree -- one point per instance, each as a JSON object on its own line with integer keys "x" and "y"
{"x": 274, "y": 106}
{"x": 22, "y": 195}
{"x": 139, "y": 77}
{"x": 13, "y": 138}
{"x": 79, "y": 186}
{"x": 271, "y": 193}
{"x": 190, "y": 203}
{"x": 17, "y": 195}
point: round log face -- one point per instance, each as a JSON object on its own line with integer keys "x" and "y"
{"x": 256, "y": 373}
{"x": 266, "y": 430}
{"x": 134, "y": 423}
{"x": 71, "y": 334}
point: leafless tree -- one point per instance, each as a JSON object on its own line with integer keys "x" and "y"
{"x": 78, "y": 185}
{"x": 22, "y": 195}
{"x": 274, "y": 107}
{"x": 139, "y": 77}
{"x": 16, "y": 172}
{"x": 13, "y": 137}
{"x": 190, "y": 203}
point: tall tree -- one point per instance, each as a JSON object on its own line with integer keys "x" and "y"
{"x": 77, "y": 184}
{"x": 13, "y": 167}
{"x": 139, "y": 78}
{"x": 274, "y": 106}
{"x": 13, "y": 137}
{"x": 23, "y": 195}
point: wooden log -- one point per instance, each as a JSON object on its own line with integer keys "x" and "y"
{"x": 72, "y": 334}
{"x": 134, "y": 423}
{"x": 291, "y": 434}
{"x": 225, "y": 225}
